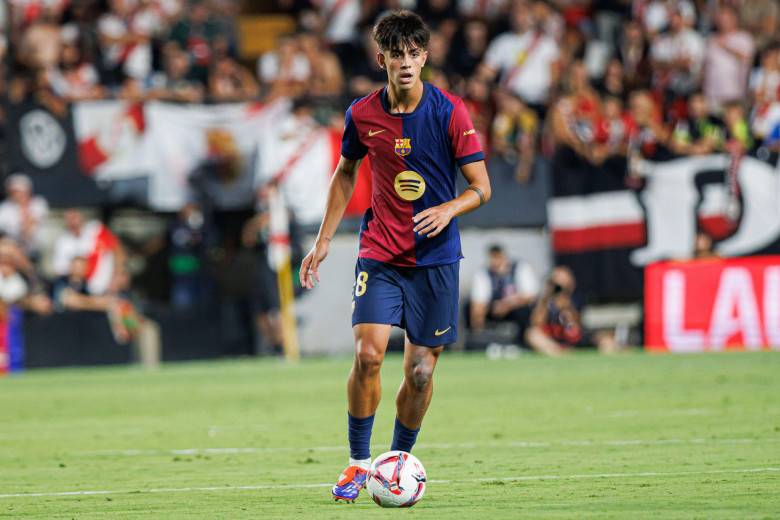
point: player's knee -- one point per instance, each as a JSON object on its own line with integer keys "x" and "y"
{"x": 368, "y": 359}
{"x": 419, "y": 376}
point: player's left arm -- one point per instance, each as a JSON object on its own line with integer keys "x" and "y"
{"x": 431, "y": 221}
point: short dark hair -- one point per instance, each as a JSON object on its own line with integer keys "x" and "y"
{"x": 399, "y": 29}
{"x": 496, "y": 249}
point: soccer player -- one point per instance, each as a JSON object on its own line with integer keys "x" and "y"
{"x": 407, "y": 269}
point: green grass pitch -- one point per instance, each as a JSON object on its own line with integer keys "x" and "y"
{"x": 631, "y": 436}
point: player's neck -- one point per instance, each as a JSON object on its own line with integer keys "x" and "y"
{"x": 404, "y": 101}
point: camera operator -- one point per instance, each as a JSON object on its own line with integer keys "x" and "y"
{"x": 555, "y": 321}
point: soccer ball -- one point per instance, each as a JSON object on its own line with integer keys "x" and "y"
{"x": 396, "y": 479}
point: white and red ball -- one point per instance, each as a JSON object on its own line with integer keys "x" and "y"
{"x": 396, "y": 479}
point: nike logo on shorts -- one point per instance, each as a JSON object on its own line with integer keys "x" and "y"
{"x": 442, "y": 332}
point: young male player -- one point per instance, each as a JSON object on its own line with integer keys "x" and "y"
{"x": 407, "y": 268}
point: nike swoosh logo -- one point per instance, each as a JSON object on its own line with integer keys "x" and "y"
{"x": 372, "y": 133}
{"x": 442, "y": 332}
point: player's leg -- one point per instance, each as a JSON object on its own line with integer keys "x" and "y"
{"x": 364, "y": 390}
{"x": 364, "y": 387}
{"x": 415, "y": 394}
{"x": 377, "y": 304}
{"x": 431, "y": 316}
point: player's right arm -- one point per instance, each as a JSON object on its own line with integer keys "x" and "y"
{"x": 339, "y": 192}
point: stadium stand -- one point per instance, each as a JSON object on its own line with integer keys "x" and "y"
{"x": 135, "y": 108}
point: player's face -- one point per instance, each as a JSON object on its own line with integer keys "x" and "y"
{"x": 403, "y": 66}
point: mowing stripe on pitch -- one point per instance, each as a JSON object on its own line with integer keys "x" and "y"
{"x": 448, "y": 481}
{"x": 517, "y": 444}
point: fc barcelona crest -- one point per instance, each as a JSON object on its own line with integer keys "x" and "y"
{"x": 403, "y": 147}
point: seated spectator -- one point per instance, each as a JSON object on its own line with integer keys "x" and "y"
{"x": 701, "y": 133}
{"x": 503, "y": 291}
{"x": 229, "y": 81}
{"x": 95, "y": 242}
{"x": 612, "y": 133}
{"x": 556, "y": 327}
{"x": 22, "y": 213}
{"x": 19, "y": 283}
{"x": 13, "y": 286}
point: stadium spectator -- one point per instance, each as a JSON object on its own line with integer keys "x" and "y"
{"x": 467, "y": 49}
{"x": 634, "y": 53}
{"x": 367, "y": 75}
{"x": 652, "y": 135}
{"x": 174, "y": 83}
{"x": 514, "y": 134}
{"x": 765, "y": 94}
{"x": 701, "y": 133}
{"x": 198, "y": 33}
{"x": 95, "y": 242}
{"x": 760, "y": 18}
{"x": 677, "y": 57}
{"x": 13, "y": 287}
{"x": 613, "y": 83}
{"x": 22, "y": 213}
{"x": 231, "y": 82}
{"x": 326, "y": 80}
{"x": 503, "y": 291}
{"x": 75, "y": 78}
{"x": 727, "y": 61}
{"x": 556, "y": 327}
{"x": 703, "y": 246}
{"x": 738, "y": 138}
{"x": 284, "y": 71}
{"x": 125, "y": 43}
{"x": 39, "y": 44}
{"x": 525, "y": 58}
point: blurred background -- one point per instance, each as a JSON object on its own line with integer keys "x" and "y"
{"x": 159, "y": 155}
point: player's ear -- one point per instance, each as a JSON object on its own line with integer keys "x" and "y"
{"x": 380, "y": 58}
{"x": 424, "y": 57}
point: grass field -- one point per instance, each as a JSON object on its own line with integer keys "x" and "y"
{"x": 631, "y": 436}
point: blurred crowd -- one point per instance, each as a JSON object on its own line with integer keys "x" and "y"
{"x": 600, "y": 78}
{"x": 584, "y": 83}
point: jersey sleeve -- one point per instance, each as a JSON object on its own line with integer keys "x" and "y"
{"x": 463, "y": 137}
{"x": 351, "y": 147}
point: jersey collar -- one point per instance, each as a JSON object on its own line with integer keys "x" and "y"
{"x": 426, "y": 89}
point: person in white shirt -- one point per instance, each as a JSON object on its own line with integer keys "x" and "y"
{"x": 93, "y": 241}
{"x": 503, "y": 291}
{"x": 526, "y": 59}
{"x": 677, "y": 57}
{"x": 22, "y": 213}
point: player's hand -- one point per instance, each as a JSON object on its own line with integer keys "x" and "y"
{"x": 430, "y": 222}
{"x": 311, "y": 264}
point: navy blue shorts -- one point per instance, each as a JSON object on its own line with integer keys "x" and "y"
{"x": 422, "y": 300}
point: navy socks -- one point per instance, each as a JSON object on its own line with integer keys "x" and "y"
{"x": 360, "y": 436}
{"x": 403, "y": 437}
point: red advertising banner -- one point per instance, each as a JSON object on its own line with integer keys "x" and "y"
{"x": 713, "y": 305}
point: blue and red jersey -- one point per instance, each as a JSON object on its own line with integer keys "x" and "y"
{"x": 414, "y": 159}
